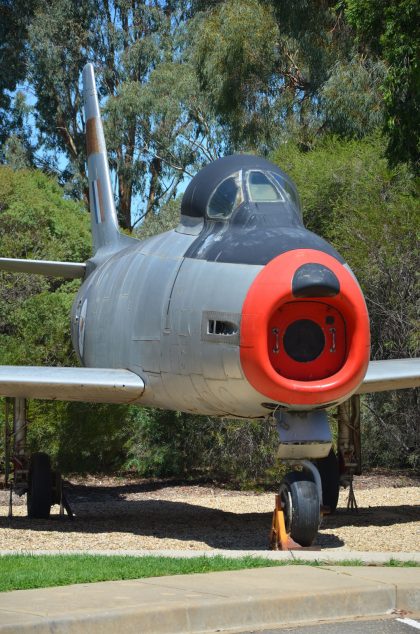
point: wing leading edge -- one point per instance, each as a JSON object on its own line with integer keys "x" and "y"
{"x": 393, "y": 374}
{"x": 107, "y": 385}
{"x": 69, "y": 270}
{"x": 95, "y": 385}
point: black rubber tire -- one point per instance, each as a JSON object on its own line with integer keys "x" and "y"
{"x": 300, "y": 499}
{"x": 39, "y": 498}
{"x": 330, "y": 478}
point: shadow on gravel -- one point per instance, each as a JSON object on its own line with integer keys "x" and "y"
{"x": 109, "y": 509}
{"x": 161, "y": 519}
{"x": 373, "y": 516}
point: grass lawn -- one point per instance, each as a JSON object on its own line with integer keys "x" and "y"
{"x": 19, "y": 572}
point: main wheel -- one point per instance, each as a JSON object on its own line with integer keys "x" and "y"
{"x": 39, "y": 498}
{"x": 330, "y": 479}
{"x": 300, "y": 500}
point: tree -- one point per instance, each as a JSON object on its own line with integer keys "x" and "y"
{"x": 153, "y": 118}
{"x": 264, "y": 65}
{"x": 14, "y": 19}
{"x": 390, "y": 31}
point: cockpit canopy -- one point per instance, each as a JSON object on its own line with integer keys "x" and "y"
{"x": 221, "y": 188}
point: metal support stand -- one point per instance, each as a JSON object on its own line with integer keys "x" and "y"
{"x": 16, "y": 462}
{"x": 349, "y": 445}
{"x": 19, "y": 457}
{"x": 10, "y": 513}
{"x": 7, "y": 442}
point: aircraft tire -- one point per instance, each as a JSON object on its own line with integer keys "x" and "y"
{"x": 301, "y": 507}
{"x": 39, "y": 498}
{"x": 330, "y": 478}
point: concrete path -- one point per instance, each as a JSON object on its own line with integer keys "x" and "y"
{"x": 240, "y": 601}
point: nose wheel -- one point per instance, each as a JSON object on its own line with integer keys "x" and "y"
{"x": 298, "y": 511}
{"x": 300, "y": 503}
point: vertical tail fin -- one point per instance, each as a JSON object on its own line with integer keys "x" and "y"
{"x": 105, "y": 232}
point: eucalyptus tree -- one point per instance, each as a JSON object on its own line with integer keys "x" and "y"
{"x": 14, "y": 19}
{"x": 154, "y": 117}
{"x": 284, "y": 69}
{"x": 390, "y": 31}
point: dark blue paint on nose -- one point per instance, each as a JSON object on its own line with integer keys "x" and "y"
{"x": 315, "y": 280}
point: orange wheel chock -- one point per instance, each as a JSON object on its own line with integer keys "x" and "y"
{"x": 279, "y": 538}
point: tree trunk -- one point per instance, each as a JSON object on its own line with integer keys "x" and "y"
{"x": 155, "y": 170}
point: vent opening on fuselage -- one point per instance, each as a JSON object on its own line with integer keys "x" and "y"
{"x": 218, "y": 327}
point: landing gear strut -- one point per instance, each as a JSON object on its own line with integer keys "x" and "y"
{"x": 306, "y": 495}
{"x": 30, "y": 474}
{"x": 330, "y": 478}
{"x": 349, "y": 445}
{"x": 305, "y": 442}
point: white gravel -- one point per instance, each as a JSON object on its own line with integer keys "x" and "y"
{"x": 112, "y": 515}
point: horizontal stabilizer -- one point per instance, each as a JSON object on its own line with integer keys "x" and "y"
{"x": 94, "y": 385}
{"x": 69, "y": 270}
{"x": 393, "y": 374}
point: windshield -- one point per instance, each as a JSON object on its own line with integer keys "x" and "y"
{"x": 226, "y": 198}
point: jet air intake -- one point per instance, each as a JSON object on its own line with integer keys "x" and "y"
{"x": 305, "y": 330}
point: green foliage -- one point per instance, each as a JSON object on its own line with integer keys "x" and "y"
{"x": 235, "y": 54}
{"x": 352, "y": 97}
{"x": 241, "y": 452}
{"x": 36, "y": 221}
{"x": 153, "y": 118}
{"x": 183, "y": 83}
{"x": 390, "y": 30}
{"x": 15, "y": 16}
{"x": 166, "y": 219}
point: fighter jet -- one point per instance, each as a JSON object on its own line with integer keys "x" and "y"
{"x": 239, "y": 312}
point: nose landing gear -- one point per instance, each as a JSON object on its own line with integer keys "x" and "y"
{"x": 298, "y": 512}
{"x": 304, "y": 436}
{"x": 301, "y": 507}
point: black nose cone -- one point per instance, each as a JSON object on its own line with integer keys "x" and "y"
{"x": 315, "y": 280}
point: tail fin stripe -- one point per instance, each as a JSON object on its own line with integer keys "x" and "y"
{"x": 95, "y": 142}
{"x": 96, "y": 201}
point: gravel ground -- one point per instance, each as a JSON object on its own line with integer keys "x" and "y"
{"x": 113, "y": 514}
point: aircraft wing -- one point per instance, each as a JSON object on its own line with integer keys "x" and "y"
{"x": 393, "y": 374}
{"x": 108, "y": 385}
{"x": 69, "y": 270}
{"x": 95, "y": 385}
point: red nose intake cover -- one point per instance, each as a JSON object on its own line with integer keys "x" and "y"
{"x": 307, "y": 350}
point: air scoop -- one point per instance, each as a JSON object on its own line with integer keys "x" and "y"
{"x": 315, "y": 280}
{"x": 305, "y": 338}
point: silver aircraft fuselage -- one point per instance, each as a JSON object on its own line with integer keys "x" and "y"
{"x": 147, "y": 309}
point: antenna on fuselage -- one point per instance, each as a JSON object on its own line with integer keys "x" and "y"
{"x": 105, "y": 232}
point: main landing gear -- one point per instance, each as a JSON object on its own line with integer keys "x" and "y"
{"x": 32, "y": 475}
